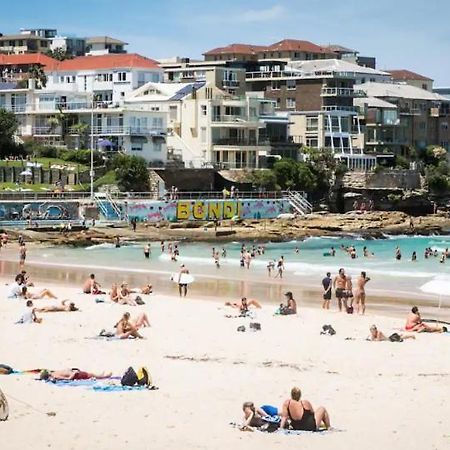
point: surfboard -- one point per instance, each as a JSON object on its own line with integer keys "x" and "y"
{"x": 185, "y": 278}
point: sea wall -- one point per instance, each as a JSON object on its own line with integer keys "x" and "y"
{"x": 39, "y": 210}
{"x": 156, "y": 210}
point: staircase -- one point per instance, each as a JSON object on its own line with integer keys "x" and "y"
{"x": 189, "y": 156}
{"x": 107, "y": 206}
{"x": 298, "y": 201}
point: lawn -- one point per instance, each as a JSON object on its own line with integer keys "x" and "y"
{"x": 40, "y": 187}
{"x": 46, "y": 163}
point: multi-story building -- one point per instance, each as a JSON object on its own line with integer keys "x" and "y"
{"x": 71, "y": 45}
{"x": 14, "y": 68}
{"x": 412, "y": 78}
{"x": 352, "y": 56}
{"x": 400, "y": 116}
{"x": 46, "y": 33}
{"x": 102, "y": 45}
{"x": 108, "y": 77}
{"x": 208, "y": 127}
{"x": 23, "y": 43}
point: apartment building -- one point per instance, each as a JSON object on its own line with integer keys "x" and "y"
{"x": 71, "y": 45}
{"x": 103, "y": 45}
{"x": 109, "y": 77}
{"x": 14, "y": 68}
{"x": 399, "y": 116}
{"x": 23, "y": 43}
{"x": 411, "y": 78}
{"x": 207, "y": 127}
{"x": 352, "y": 56}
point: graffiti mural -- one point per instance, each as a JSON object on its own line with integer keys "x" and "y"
{"x": 155, "y": 210}
{"x": 39, "y": 210}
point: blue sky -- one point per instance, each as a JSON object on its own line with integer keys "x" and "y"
{"x": 413, "y": 34}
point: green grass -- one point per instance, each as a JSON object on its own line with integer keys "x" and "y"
{"x": 45, "y": 163}
{"x": 42, "y": 187}
{"x": 108, "y": 178}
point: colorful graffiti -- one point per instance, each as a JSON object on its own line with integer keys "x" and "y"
{"x": 39, "y": 210}
{"x": 155, "y": 210}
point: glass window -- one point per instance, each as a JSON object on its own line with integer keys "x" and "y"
{"x": 290, "y": 102}
{"x": 291, "y": 85}
{"x": 275, "y": 85}
{"x": 204, "y": 109}
{"x": 312, "y": 123}
{"x": 137, "y": 147}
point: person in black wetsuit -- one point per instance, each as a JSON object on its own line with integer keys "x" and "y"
{"x": 301, "y": 415}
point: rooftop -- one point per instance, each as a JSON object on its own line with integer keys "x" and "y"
{"x": 405, "y": 75}
{"x": 373, "y": 102}
{"x": 333, "y": 65}
{"x": 22, "y": 37}
{"x": 104, "y": 40}
{"x": 240, "y": 49}
{"x": 156, "y": 92}
{"x": 27, "y": 59}
{"x": 109, "y": 61}
{"x": 399, "y": 90}
{"x": 290, "y": 45}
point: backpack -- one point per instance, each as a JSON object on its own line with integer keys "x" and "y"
{"x": 139, "y": 300}
{"x": 395, "y": 337}
{"x": 350, "y": 310}
{"x": 328, "y": 330}
{"x": 255, "y": 326}
{"x": 132, "y": 378}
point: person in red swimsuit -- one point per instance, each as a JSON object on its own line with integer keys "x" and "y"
{"x": 414, "y": 323}
{"x": 71, "y": 374}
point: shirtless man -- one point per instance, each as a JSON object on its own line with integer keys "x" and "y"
{"x": 339, "y": 284}
{"x": 91, "y": 286}
{"x": 71, "y": 374}
{"x": 64, "y": 307}
{"x": 182, "y": 287}
{"x": 414, "y": 323}
{"x": 247, "y": 259}
{"x": 360, "y": 292}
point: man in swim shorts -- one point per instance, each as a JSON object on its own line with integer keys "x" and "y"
{"x": 340, "y": 283}
{"x": 71, "y": 374}
{"x": 327, "y": 283}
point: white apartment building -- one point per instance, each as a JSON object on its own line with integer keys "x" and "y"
{"x": 206, "y": 126}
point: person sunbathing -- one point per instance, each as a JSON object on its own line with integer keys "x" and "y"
{"x": 301, "y": 415}
{"x": 254, "y": 417}
{"x": 72, "y": 374}
{"x": 146, "y": 290}
{"x": 414, "y": 323}
{"x": 377, "y": 335}
{"x": 124, "y": 295}
{"x": 44, "y": 293}
{"x": 126, "y": 328}
{"x": 114, "y": 294}
{"x": 64, "y": 307}
{"x": 244, "y": 305}
{"x": 92, "y": 286}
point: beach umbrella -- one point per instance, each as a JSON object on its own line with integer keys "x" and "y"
{"x": 105, "y": 143}
{"x": 439, "y": 286}
{"x": 4, "y": 408}
{"x": 26, "y": 173}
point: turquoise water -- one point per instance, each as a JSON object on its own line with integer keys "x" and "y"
{"x": 306, "y": 268}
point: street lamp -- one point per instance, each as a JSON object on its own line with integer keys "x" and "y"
{"x": 91, "y": 172}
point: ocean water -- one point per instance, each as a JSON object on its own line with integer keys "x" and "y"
{"x": 306, "y": 268}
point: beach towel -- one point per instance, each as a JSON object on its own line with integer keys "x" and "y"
{"x": 105, "y": 385}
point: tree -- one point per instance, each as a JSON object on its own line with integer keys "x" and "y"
{"x": 263, "y": 178}
{"x": 286, "y": 172}
{"x": 8, "y": 126}
{"x": 37, "y": 73}
{"x": 306, "y": 179}
{"x": 59, "y": 53}
{"x": 131, "y": 173}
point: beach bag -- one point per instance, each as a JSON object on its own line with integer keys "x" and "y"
{"x": 4, "y": 408}
{"x": 350, "y": 310}
{"x": 139, "y": 300}
{"x": 255, "y": 326}
{"x": 395, "y": 337}
{"x": 132, "y": 378}
{"x": 328, "y": 330}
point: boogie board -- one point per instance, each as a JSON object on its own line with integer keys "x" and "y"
{"x": 186, "y": 278}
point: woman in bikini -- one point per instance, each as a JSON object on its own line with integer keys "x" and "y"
{"x": 64, "y": 307}
{"x": 301, "y": 414}
{"x": 44, "y": 293}
{"x": 414, "y": 323}
{"x": 126, "y": 328}
{"x": 253, "y": 417}
{"x": 124, "y": 295}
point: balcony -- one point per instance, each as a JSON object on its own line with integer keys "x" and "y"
{"x": 341, "y": 92}
{"x": 46, "y": 131}
{"x": 295, "y": 75}
{"x": 338, "y": 108}
{"x": 235, "y": 142}
{"x": 407, "y": 111}
{"x": 230, "y": 83}
{"x": 15, "y": 108}
{"x": 128, "y": 131}
{"x": 231, "y": 118}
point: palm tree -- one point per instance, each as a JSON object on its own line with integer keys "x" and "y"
{"x": 37, "y": 73}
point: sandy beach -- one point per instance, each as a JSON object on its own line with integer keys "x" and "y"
{"x": 379, "y": 394}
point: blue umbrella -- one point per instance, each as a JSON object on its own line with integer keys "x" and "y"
{"x": 105, "y": 143}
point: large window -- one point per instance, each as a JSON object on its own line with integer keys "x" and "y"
{"x": 312, "y": 123}
{"x": 122, "y": 76}
{"x": 275, "y": 85}
{"x": 291, "y": 85}
{"x": 204, "y": 110}
{"x": 137, "y": 147}
{"x": 290, "y": 103}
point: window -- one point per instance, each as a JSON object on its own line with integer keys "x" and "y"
{"x": 290, "y": 102}
{"x": 154, "y": 108}
{"x": 275, "y": 85}
{"x": 157, "y": 146}
{"x": 422, "y": 125}
{"x": 157, "y": 122}
{"x": 312, "y": 142}
{"x": 44, "y": 43}
{"x": 122, "y": 76}
{"x": 291, "y": 85}
{"x": 204, "y": 110}
{"x": 444, "y": 125}
{"x": 203, "y": 135}
{"x": 312, "y": 123}
{"x": 137, "y": 147}
{"x": 278, "y": 103}
{"x": 424, "y": 86}
{"x": 173, "y": 112}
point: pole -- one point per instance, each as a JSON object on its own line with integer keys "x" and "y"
{"x": 91, "y": 173}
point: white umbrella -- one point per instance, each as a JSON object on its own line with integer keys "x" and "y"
{"x": 26, "y": 173}
{"x": 439, "y": 286}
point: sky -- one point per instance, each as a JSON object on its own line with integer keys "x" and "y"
{"x": 401, "y": 34}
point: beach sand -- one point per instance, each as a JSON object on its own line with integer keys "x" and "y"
{"x": 380, "y": 395}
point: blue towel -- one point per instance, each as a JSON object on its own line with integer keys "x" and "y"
{"x": 118, "y": 387}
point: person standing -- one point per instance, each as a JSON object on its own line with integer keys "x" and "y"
{"x": 182, "y": 287}
{"x": 327, "y": 282}
{"x": 22, "y": 254}
{"x": 398, "y": 253}
{"x": 360, "y": 292}
{"x": 340, "y": 283}
{"x": 147, "y": 251}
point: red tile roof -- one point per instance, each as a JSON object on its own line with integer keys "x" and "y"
{"x": 285, "y": 45}
{"x": 405, "y": 75}
{"x": 291, "y": 45}
{"x": 110, "y": 61}
{"x": 28, "y": 59}
{"x": 239, "y": 49}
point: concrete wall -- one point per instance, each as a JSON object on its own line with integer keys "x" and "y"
{"x": 386, "y": 179}
{"x": 39, "y": 210}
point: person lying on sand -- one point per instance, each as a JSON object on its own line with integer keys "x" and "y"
{"x": 244, "y": 305}
{"x": 126, "y": 328}
{"x": 64, "y": 307}
{"x": 377, "y": 335}
{"x": 44, "y": 293}
{"x": 299, "y": 414}
{"x": 414, "y": 323}
{"x": 124, "y": 295}
{"x": 72, "y": 374}
{"x": 146, "y": 290}
{"x": 91, "y": 286}
{"x": 254, "y": 417}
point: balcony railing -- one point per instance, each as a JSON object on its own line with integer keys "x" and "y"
{"x": 240, "y": 142}
{"x": 128, "y": 130}
{"x": 341, "y": 92}
{"x": 283, "y": 74}
{"x": 352, "y": 109}
{"x": 15, "y": 108}
{"x": 409, "y": 111}
{"x": 232, "y": 118}
{"x": 230, "y": 83}
{"x": 46, "y": 131}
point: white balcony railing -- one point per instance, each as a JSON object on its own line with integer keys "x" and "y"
{"x": 340, "y": 92}
{"x": 46, "y": 131}
{"x": 231, "y": 118}
{"x": 352, "y": 109}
